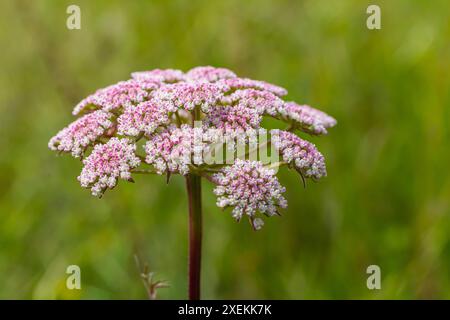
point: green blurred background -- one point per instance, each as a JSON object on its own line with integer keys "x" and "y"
{"x": 385, "y": 201}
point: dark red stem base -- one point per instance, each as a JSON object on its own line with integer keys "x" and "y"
{"x": 194, "y": 190}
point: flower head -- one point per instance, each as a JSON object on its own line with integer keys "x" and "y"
{"x": 159, "y": 110}
{"x": 159, "y": 75}
{"x": 209, "y": 74}
{"x": 81, "y": 133}
{"x": 249, "y": 187}
{"x": 122, "y": 94}
{"x": 302, "y": 154}
{"x": 306, "y": 118}
{"x": 107, "y": 163}
{"x": 244, "y": 83}
{"x": 233, "y": 118}
{"x": 145, "y": 117}
{"x": 187, "y": 95}
{"x": 261, "y": 101}
{"x": 170, "y": 150}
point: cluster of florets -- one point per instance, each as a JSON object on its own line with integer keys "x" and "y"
{"x": 107, "y": 163}
{"x": 301, "y": 154}
{"x": 162, "y": 108}
{"x": 248, "y": 187}
{"x": 170, "y": 150}
{"x": 81, "y": 133}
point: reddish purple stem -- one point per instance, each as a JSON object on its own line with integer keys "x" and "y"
{"x": 194, "y": 190}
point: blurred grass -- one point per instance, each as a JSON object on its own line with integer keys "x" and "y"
{"x": 385, "y": 202}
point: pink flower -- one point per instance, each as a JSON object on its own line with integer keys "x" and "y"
{"x": 161, "y": 107}
{"x": 302, "y": 154}
{"x": 237, "y": 118}
{"x": 146, "y": 117}
{"x": 170, "y": 150}
{"x": 187, "y": 95}
{"x": 209, "y": 74}
{"x": 306, "y": 118}
{"x": 107, "y": 163}
{"x": 81, "y": 133}
{"x": 122, "y": 94}
{"x": 244, "y": 83}
{"x": 262, "y": 101}
{"x": 206, "y": 123}
{"x": 159, "y": 75}
{"x": 248, "y": 187}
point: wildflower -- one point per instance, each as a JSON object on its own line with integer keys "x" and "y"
{"x": 146, "y": 117}
{"x": 244, "y": 83}
{"x": 170, "y": 150}
{"x": 108, "y": 163}
{"x": 248, "y": 187}
{"x": 209, "y": 74}
{"x": 187, "y": 95}
{"x": 81, "y": 133}
{"x": 262, "y": 101}
{"x": 306, "y": 118}
{"x": 233, "y": 118}
{"x": 302, "y": 154}
{"x": 159, "y": 75}
{"x": 161, "y": 106}
{"x": 121, "y": 94}
{"x": 242, "y": 110}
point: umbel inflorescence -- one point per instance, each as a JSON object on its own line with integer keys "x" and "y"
{"x": 163, "y": 122}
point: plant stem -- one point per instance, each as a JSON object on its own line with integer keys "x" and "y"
{"x": 194, "y": 190}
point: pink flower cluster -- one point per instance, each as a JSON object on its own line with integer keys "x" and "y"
{"x": 187, "y": 95}
{"x": 145, "y": 118}
{"x": 122, "y": 94}
{"x": 237, "y": 118}
{"x": 262, "y": 101}
{"x": 161, "y": 107}
{"x": 244, "y": 83}
{"x": 170, "y": 150}
{"x": 248, "y": 187}
{"x": 81, "y": 133}
{"x": 306, "y": 118}
{"x": 107, "y": 163}
{"x": 158, "y": 75}
{"x": 209, "y": 74}
{"x": 303, "y": 155}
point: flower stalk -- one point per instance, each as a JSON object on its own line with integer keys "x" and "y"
{"x": 194, "y": 191}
